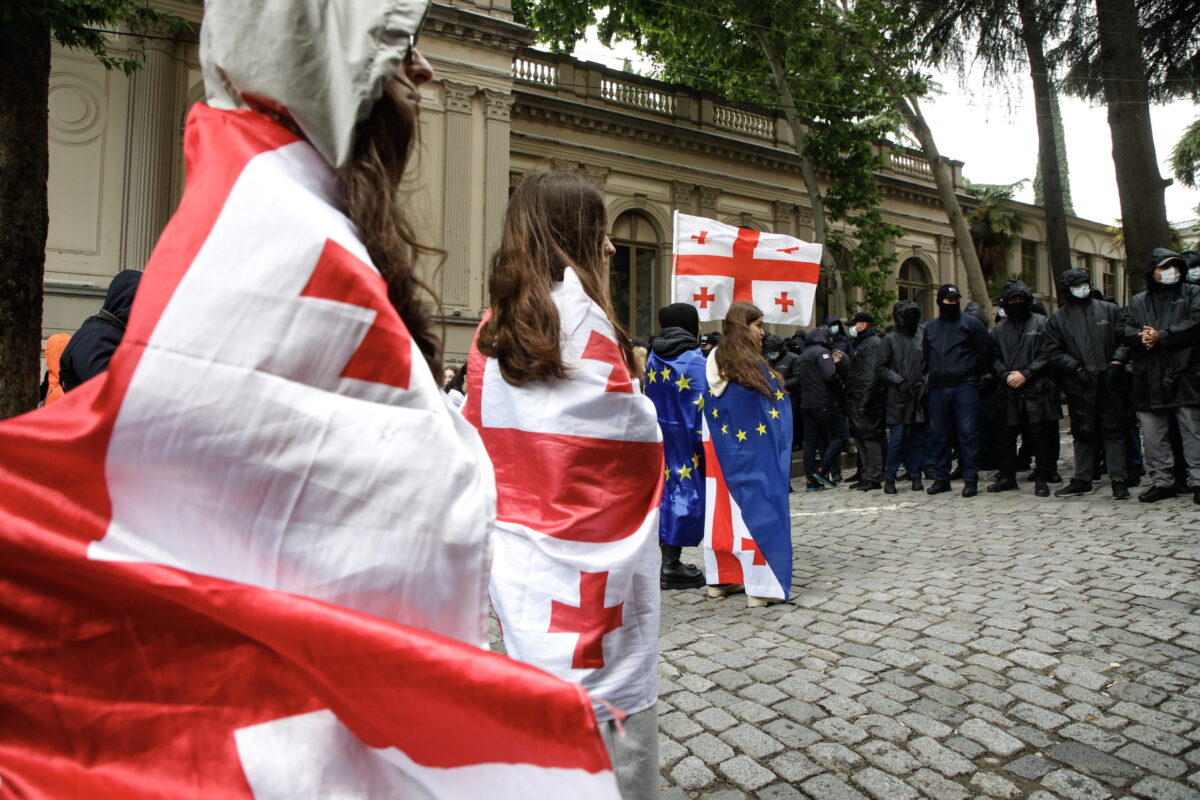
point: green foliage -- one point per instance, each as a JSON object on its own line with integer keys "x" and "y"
{"x": 1185, "y": 157}
{"x": 995, "y": 225}
{"x": 80, "y": 24}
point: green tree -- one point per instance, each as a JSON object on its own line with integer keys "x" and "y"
{"x": 1002, "y": 35}
{"x": 26, "y": 29}
{"x": 995, "y": 225}
{"x": 1185, "y": 156}
{"x": 815, "y": 60}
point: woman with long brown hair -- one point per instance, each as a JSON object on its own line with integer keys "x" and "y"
{"x": 748, "y": 443}
{"x": 579, "y": 467}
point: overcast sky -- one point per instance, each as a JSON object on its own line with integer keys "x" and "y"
{"x": 994, "y": 134}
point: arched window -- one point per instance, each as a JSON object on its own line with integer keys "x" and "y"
{"x": 914, "y": 283}
{"x": 632, "y": 273}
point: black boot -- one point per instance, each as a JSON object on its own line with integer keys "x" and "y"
{"x": 675, "y": 574}
{"x": 918, "y": 485}
{"x": 937, "y": 487}
{"x": 1075, "y": 488}
{"x": 1041, "y": 489}
{"x": 868, "y": 486}
{"x": 889, "y": 487}
{"x": 1119, "y": 490}
{"x": 1196, "y": 495}
{"x": 1156, "y": 493}
{"x": 970, "y": 488}
{"x": 1004, "y": 483}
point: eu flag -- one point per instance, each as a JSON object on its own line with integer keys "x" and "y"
{"x": 748, "y": 526}
{"x": 678, "y": 388}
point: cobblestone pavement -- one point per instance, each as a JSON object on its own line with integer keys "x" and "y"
{"x": 1003, "y": 646}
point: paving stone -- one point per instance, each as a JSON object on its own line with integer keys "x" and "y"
{"x": 1037, "y": 696}
{"x": 677, "y": 725}
{"x": 1038, "y": 717}
{"x": 840, "y": 730}
{"x": 779, "y": 791}
{"x": 692, "y": 774}
{"x": 941, "y": 676}
{"x": 926, "y": 726}
{"x": 884, "y": 727}
{"x": 835, "y": 757}
{"x": 791, "y": 734}
{"x": 745, "y": 773}
{"x": 688, "y": 702}
{"x": 966, "y": 747}
{"x": 715, "y": 719}
{"x": 1081, "y": 677}
{"x": 1151, "y": 717}
{"x": 991, "y": 737}
{"x": 669, "y": 753}
{"x": 802, "y": 689}
{"x": 751, "y": 711}
{"x": 1156, "y": 739}
{"x": 1092, "y": 736}
{"x": 1074, "y": 786}
{"x": 934, "y": 755}
{"x": 1029, "y": 767}
{"x": 888, "y": 757}
{"x": 793, "y": 767}
{"x": 1031, "y": 659}
{"x": 1156, "y": 788}
{"x": 937, "y": 787}
{"x": 1152, "y": 761}
{"x": 1095, "y": 763}
{"x": 751, "y": 741}
{"x": 882, "y": 786}
{"x": 993, "y": 785}
{"x": 827, "y": 787}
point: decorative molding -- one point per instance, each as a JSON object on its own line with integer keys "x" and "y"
{"x": 746, "y": 220}
{"x": 563, "y": 165}
{"x": 681, "y": 194}
{"x": 459, "y": 96}
{"x": 639, "y": 199}
{"x": 76, "y": 113}
{"x": 472, "y": 27}
{"x": 597, "y": 176}
{"x": 497, "y": 105}
{"x": 515, "y": 178}
{"x": 708, "y": 199}
{"x": 782, "y": 213}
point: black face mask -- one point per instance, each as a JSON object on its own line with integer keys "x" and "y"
{"x": 949, "y": 312}
{"x": 1018, "y": 312}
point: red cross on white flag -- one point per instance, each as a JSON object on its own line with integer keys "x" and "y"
{"x": 716, "y": 265}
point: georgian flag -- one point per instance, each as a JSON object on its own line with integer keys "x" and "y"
{"x": 579, "y": 472}
{"x": 250, "y": 559}
{"x": 716, "y": 265}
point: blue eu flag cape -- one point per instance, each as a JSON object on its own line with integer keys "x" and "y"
{"x": 748, "y": 526}
{"x": 679, "y": 390}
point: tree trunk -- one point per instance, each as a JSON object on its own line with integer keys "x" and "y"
{"x": 1057, "y": 240}
{"x": 24, "y": 158}
{"x": 976, "y": 284}
{"x": 1140, "y": 186}
{"x": 807, "y": 172}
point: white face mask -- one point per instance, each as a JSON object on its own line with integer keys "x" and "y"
{"x": 1002, "y": 313}
{"x": 1082, "y": 290}
{"x": 853, "y": 333}
{"x": 833, "y": 329}
{"x": 1169, "y": 276}
{"x": 1194, "y": 274}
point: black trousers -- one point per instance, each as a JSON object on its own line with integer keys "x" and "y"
{"x": 1042, "y": 438}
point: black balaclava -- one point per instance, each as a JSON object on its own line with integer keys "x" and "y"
{"x": 1016, "y": 310}
{"x": 951, "y": 312}
{"x": 907, "y": 315}
{"x": 1075, "y": 277}
{"x": 680, "y": 315}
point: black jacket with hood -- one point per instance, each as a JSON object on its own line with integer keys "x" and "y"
{"x": 840, "y": 340}
{"x": 864, "y": 384}
{"x": 92, "y": 346}
{"x": 786, "y": 363}
{"x": 902, "y": 368}
{"x": 1018, "y": 347}
{"x": 1168, "y": 374}
{"x": 956, "y": 351}
{"x": 673, "y": 342}
{"x": 1081, "y": 342}
{"x": 820, "y": 386}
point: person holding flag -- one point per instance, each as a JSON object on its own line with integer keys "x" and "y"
{"x": 249, "y": 559}
{"x": 748, "y": 447}
{"x": 579, "y": 467}
{"x": 675, "y": 381}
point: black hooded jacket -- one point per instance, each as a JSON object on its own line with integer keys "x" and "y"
{"x": 1081, "y": 340}
{"x": 864, "y": 383}
{"x": 786, "y": 363}
{"x": 1168, "y": 374}
{"x": 820, "y": 386}
{"x": 672, "y": 342}
{"x": 902, "y": 367}
{"x": 92, "y": 346}
{"x": 956, "y": 351}
{"x": 1018, "y": 347}
{"x": 840, "y": 340}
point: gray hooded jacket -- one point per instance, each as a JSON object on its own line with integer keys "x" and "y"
{"x": 274, "y": 56}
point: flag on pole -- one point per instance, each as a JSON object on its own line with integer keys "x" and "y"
{"x": 716, "y": 265}
{"x": 747, "y": 523}
{"x": 250, "y": 559}
{"x": 579, "y": 473}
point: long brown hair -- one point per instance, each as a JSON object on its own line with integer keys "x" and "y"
{"x": 554, "y": 220}
{"x": 367, "y": 188}
{"x": 739, "y": 356}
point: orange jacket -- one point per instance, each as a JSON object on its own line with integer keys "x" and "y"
{"x": 54, "y": 350}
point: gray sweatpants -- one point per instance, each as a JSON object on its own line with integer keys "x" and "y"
{"x": 1155, "y": 437}
{"x": 635, "y": 755}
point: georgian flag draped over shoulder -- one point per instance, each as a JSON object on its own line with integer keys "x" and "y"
{"x": 747, "y": 523}
{"x": 579, "y": 466}
{"x": 717, "y": 265}
{"x": 249, "y": 561}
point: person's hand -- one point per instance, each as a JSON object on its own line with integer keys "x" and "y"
{"x": 1150, "y": 337}
{"x": 837, "y": 356}
{"x": 1016, "y": 380}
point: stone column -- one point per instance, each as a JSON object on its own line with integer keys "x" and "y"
{"x": 456, "y": 234}
{"x": 149, "y": 150}
{"x": 708, "y": 201}
{"x": 498, "y": 106}
{"x": 681, "y": 196}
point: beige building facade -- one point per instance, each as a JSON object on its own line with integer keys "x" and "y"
{"x": 496, "y": 111}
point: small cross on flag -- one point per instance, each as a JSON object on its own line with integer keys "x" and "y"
{"x": 716, "y": 265}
